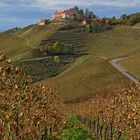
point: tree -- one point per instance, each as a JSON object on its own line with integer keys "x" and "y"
{"x": 57, "y": 59}
{"x": 124, "y": 19}
{"x": 86, "y": 12}
{"x": 59, "y": 48}
{"x": 91, "y": 15}
{"x": 81, "y": 14}
{"x": 113, "y": 20}
{"x": 89, "y": 28}
{"x": 77, "y": 8}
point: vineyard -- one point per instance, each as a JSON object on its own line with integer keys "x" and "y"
{"x": 35, "y": 112}
{"x": 27, "y": 112}
{"x": 114, "y": 115}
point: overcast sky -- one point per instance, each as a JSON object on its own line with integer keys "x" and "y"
{"x": 23, "y": 12}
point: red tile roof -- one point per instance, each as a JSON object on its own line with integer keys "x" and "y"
{"x": 71, "y": 11}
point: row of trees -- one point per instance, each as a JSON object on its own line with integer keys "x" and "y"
{"x": 94, "y": 27}
{"x": 126, "y": 19}
{"x": 85, "y": 13}
{"x": 57, "y": 49}
{"x": 12, "y": 30}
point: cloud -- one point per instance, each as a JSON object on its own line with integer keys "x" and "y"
{"x": 57, "y": 4}
{"x": 22, "y": 12}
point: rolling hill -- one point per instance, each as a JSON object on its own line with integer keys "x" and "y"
{"x": 94, "y": 74}
{"x": 84, "y": 74}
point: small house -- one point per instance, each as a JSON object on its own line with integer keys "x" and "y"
{"x": 43, "y": 22}
{"x": 59, "y": 15}
{"x": 86, "y": 21}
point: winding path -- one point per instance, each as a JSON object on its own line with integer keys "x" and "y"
{"x": 116, "y": 64}
{"x": 26, "y": 40}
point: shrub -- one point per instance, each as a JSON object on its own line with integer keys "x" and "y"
{"x": 57, "y": 59}
{"x": 58, "y": 49}
{"x": 89, "y": 28}
{"x": 130, "y": 19}
{"x": 97, "y": 27}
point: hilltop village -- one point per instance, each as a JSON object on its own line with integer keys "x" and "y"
{"x": 75, "y": 14}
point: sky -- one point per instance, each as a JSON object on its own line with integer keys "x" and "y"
{"x": 20, "y": 13}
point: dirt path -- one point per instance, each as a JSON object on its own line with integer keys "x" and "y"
{"x": 26, "y": 40}
{"x": 116, "y": 64}
{"x": 32, "y": 59}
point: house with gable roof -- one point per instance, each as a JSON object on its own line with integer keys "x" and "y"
{"x": 65, "y": 14}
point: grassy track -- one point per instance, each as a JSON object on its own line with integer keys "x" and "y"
{"x": 21, "y": 44}
{"x": 12, "y": 45}
{"x": 132, "y": 63}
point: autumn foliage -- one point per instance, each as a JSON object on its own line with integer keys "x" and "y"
{"x": 120, "y": 111}
{"x": 26, "y": 111}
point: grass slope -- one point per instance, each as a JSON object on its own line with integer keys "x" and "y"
{"x": 132, "y": 63}
{"x": 92, "y": 76}
{"x": 12, "y": 45}
{"x": 121, "y": 41}
{"x": 37, "y": 33}
{"x": 21, "y": 43}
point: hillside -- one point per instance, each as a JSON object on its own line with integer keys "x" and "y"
{"x": 91, "y": 75}
{"x": 12, "y": 46}
{"x": 89, "y": 64}
{"x": 136, "y": 26}
{"x": 27, "y": 39}
{"x": 83, "y": 79}
{"x": 86, "y": 79}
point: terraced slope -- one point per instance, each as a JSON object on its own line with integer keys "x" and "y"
{"x": 37, "y": 33}
{"x": 77, "y": 39}
{"x": 21, "y": 43}
{"x": 89, "y": 76}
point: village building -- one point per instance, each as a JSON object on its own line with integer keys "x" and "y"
{"x": 86, "y": 21}
{"x": 59, "y": 15}
{"x": 43, "y": 22}
{"x": 66, "y": 14}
